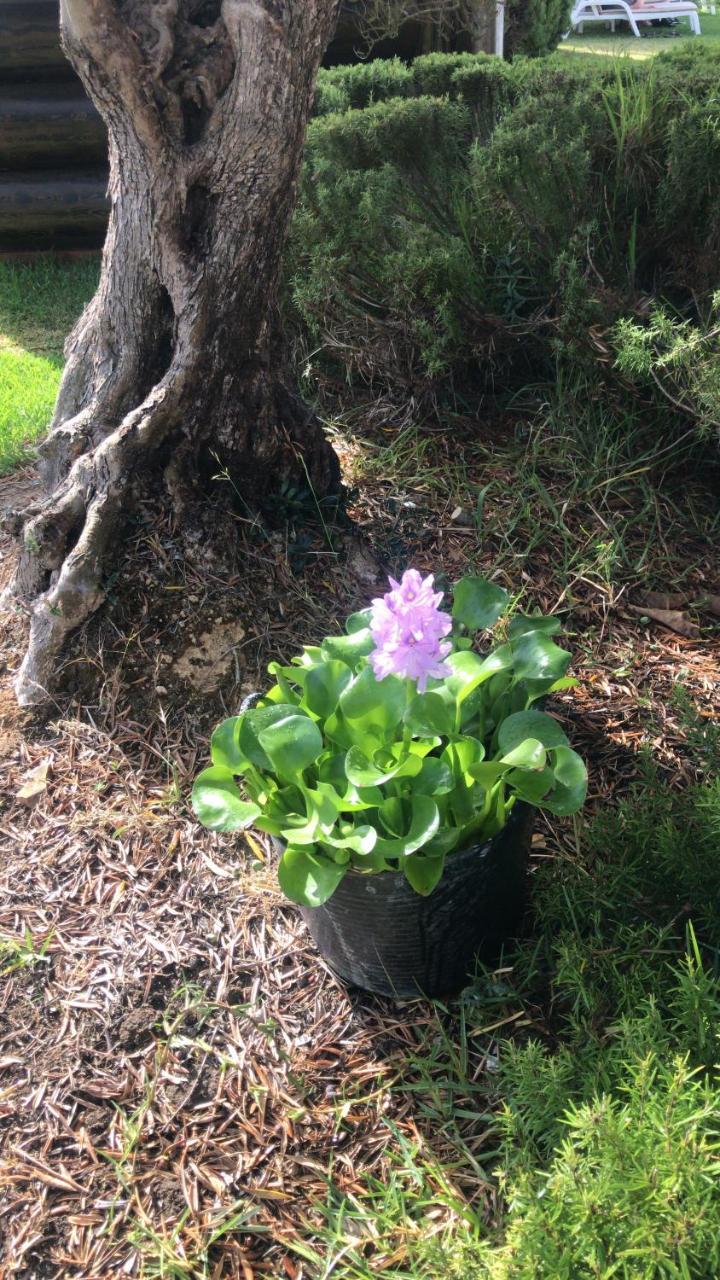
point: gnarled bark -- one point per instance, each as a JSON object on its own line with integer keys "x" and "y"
{"x": 178, "y": 359}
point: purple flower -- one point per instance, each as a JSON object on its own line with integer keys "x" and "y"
{"x": 407, "y": 628}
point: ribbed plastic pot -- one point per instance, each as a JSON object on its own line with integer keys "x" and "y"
{"x": 377, "y": 933}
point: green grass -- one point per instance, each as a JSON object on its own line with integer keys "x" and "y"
{"x": 39, "y": 302}
{"x": 598, "y": 41}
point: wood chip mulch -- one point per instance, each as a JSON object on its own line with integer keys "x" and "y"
{"x": 180, "y": 1076}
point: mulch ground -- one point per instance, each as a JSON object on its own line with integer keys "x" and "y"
{"x": 176, "y": 1063}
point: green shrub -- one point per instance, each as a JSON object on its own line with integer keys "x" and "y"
{"x": 632, "y": 1189}
{"x": 381, "y": 269}
{"x": 676, "y": 361}
{"x": 362, "y": 84}
{"x": 482, "y": 224}
{"x": 608, "y": 1122}
{"x": 535, "y": 27}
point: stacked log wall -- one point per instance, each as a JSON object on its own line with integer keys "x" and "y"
{"x": 53, "y": 153}
{"x": 53, "y": 163}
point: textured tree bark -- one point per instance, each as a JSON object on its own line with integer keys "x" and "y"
{"x": 482, "y": 28}
{"x": 178, "y": 360}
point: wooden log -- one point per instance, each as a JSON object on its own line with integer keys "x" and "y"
{"x": 52, "y": 211}
{"x": 48, "y": 127}
{"x": 30, "y": 42}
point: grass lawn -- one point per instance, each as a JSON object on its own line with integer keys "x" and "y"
{"x": 599, "y": 41}
{"x": 186, "y": 1091}
{"x": 38, "y": 303}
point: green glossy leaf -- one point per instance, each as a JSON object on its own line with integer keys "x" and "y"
{"x": 225, "y": 746}
{"x": 500, "y": 709}
{"x": 565, "y": 682}
{"x": 568, "y": 794}
{"x": 569, "y": 767}
{"x": 499, "y": 684}
{"x": 525, "y": 692}
{"x": 336, "y": 729}
{"x": 498, "y": 814}
{"x": 218, "y": 803}
{"x": 536, "y": 656}
{"x": 429, "y": 714}
{"x": 310, "y": 656}
{"x": 322, "y": 809}
{"x": 423, "y": 873}
{"x": 291, "y": 744}
{"x": 378, "y": 705}
{"x": 358, "y": 798}
{"x": 371, "y": 862}
{"x": 488, "y": 772}
{"x": 435, "y": 777}
{"x": 253, "y": 722}
{"x": 285, "y": 690}
{"x": 417, "y": 746}
{"x": 331, "y": 771}
{"x": 363, "y": 772}
{"x": 529, "y": 724}
{"x": 465, "y": 666}
{"x": 323, "y": 686}
{"x": 461, "y": 755}
{"x": 393, "y": 817}
{"x": 529, "y": 786}
{"x": 358, "y": 621}
{"x": 285, "y": 800}
{"x": 300, "y": 829}
{"x": 282, "y": 807}
{"x": 470, "y": 671}
{"x": 529, "y": 754}
{"x": 478, "y": 603}
{"x": 424, "y": 823}
{"x": 307, "y": 877}
{"x": 409, "y": 762}
{"x": 349, "y": 649}
{"x": 361, "y": 840}
{"x": 445, "y": 839}
{"x": 522, "y": 626}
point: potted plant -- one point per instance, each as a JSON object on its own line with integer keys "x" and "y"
{"x": 398, "y": 770}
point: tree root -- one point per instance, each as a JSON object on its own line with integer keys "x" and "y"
{"x": 66, "y": 539}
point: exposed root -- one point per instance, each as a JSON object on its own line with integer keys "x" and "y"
{"x": 62, "y": 563}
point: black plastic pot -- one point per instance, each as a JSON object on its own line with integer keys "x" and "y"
{"x": 376, "y": 932}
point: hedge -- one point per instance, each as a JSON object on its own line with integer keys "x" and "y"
{"x": 466, "y": 222}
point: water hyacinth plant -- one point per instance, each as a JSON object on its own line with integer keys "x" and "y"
{"x": 388, "y": 747}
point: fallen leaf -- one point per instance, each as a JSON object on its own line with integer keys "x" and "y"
{"x": 662, "y": 600}
{"x": 674, "y": 619}
{"x": 35, "y": 783}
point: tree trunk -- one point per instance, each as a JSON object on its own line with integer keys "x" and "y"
{"x": 177, "y": 363}
{"x": 482, "y": 27}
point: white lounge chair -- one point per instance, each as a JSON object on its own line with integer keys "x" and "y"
{"x": 612, "y": 11}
